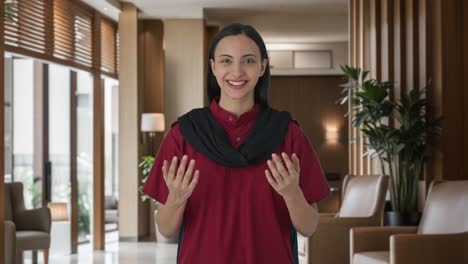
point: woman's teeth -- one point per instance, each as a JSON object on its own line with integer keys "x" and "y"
{"x": 236, "y": 83}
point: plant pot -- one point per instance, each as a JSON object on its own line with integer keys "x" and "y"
{"x": 393, "y": 218}
{"x": 162, "y": 239}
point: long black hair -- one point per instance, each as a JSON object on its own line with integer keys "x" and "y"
{"x": 263, "y": 84}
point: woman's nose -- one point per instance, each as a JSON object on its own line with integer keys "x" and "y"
{"x": 238, "y": 69}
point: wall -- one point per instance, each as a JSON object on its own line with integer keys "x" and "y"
{"x": 184, "y": 66}
{"x": 312, "y": 102}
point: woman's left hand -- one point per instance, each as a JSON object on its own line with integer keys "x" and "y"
{"x": 283, "y": 175}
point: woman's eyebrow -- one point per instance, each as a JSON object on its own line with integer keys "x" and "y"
{"x": 246, "y": 55}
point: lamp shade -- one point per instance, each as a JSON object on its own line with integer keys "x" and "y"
{"x": 152, "y": 122}
{"x": 58, "y": 211}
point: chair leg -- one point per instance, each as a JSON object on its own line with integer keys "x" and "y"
{"x": 45, "y": 252}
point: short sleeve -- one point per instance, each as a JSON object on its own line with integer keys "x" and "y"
{"x": 155, "y": 185}
{"x": 311, "y": 180}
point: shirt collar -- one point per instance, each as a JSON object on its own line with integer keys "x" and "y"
{"x": 227, "y": 118}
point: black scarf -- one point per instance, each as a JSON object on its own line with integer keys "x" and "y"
{"x": 199, "y": 128}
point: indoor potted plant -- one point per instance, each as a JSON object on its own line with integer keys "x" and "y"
{"x": 146, "y": 166}
{"x": 401, "y": 148}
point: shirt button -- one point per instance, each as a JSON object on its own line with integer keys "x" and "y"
{"x": 230, "y": 118}
{"x": 237, "y": 139}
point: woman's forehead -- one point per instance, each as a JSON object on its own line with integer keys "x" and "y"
{"x": 236, "y": 45}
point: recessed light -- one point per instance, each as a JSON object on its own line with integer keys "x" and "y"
{"x": 105, "y": 8}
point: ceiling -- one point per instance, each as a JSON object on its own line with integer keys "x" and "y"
{"x": 277, "y": 20}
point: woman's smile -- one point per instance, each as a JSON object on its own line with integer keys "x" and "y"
{"x": 236, "y": 84}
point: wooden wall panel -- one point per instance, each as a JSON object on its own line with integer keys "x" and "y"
{"x": 419, "y": 40}
{"x": 311, "y": 101}
{"x": 98, "y": 141}
{"x": 151, "y": 77}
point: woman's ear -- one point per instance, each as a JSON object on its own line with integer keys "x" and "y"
{"x": 212, "y": 64}
{"x": 264, "y": 65}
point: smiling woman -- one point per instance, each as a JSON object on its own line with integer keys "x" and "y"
{"x": 237, "y": 178}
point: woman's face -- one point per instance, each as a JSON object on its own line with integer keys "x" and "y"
{"x": 237, "y": 65}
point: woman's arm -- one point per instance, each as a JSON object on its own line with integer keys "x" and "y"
{"x": 304, "y": 216}
{"x": 169, "y": 217}
{"x": 180, "y": 185}
{"x": 283, "y": 176}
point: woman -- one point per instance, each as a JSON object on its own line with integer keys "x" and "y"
{"x": 237, "y": 178}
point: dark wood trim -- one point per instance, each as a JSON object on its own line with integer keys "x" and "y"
{"x": 73, "y": 163}
{"x": 46, "y": 174}
{"x": 98, "y": 143}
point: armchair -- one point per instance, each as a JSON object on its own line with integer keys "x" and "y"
{"x": 363, "y": 204}
{"x": 9, "y": 242}
{"x": 442, "y": 236}
{"x": 32, "y": 226}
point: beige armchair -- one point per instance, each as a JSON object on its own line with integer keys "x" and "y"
{"x": 442, "y": 236}
{"x": 363, "y": 204}
{"x": 32, "y": 226}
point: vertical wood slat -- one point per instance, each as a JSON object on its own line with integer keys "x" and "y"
{"x": 366, "y": 64}
{"x": 98, "y": 143}
{"x": 399, "y": 48}
{"x": 410, "y": 38}
{"x": 73, "y": 164}
{"x": 351, "y": 51}
{"x": 452, "y": 89}
{"x": 2, "y": 143}
{"x": 465, "y": 84}
{"x": 357, "y": 155}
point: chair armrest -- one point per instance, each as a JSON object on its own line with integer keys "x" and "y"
{"x": 9, "y": 242}
{"x": 330, "y": 242}
{"x": 375, "y": 238}
{"x": 429, "y": 249}
{"x": 38, "y": 219}
{"x": 327, "y": 214}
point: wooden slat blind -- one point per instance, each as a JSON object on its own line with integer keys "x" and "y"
{"x": 73, "y": 32}
{"x": 60, "y": 31}
{"x": 109, "y": 46}
{"x": 26, "y": 27}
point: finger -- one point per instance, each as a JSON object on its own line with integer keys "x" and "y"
{"x": 278, "y": 178}
{"x": 289, "y": 163}
{"x": 194, "y": 181}
{"x": 181, "y": 169}
{"x": 164, "y": 170}
{"x": 279, "y": 166}
{"x": 296, "y": 162}
{"x": 188, "y": 173}
{"x": 172, "y": 169}
{"x": 270, "y": 179}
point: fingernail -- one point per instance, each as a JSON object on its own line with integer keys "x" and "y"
{"x": 175, "y": 158}
{"x": 184, "y": 157}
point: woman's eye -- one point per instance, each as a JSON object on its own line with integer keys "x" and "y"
{"x": 249, "y": 61}
{"x": 225, "y": 61}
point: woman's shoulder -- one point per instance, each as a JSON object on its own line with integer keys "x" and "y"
{"x": 294, "y": 128}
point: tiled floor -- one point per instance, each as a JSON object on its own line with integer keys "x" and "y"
{"x": 118, "y": 253}
{"x": 122, "y": 253}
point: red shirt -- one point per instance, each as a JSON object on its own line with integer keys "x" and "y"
{"x": 233, "y": 214}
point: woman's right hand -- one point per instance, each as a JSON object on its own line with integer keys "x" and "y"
{"x": 179, "y": 180}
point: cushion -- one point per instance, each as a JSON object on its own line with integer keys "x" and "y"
{"x": 372, "y": 257}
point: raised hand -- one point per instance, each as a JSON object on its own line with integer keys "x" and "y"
{"x": 283, "y": 175}
{"x": 179, "y": 180}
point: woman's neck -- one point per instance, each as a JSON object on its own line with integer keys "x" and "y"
{"x": 237, "y": 107}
